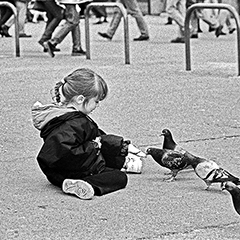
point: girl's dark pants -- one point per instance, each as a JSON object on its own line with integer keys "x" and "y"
{"x": 109, "y": 180}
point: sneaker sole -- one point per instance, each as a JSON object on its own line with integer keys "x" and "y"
{"x": 80, "y": 188}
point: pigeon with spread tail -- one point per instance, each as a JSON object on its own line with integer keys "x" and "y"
{"x": 209, "y": 171}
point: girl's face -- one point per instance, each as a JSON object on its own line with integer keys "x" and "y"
{"x": 89, "y": 106}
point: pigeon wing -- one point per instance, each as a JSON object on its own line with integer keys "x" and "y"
{"x": 205, "y": 169}
{"x": 174, "y": 160}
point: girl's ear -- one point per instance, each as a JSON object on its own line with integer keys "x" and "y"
{"x": 80, "y": 99}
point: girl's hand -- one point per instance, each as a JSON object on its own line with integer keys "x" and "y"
{"x": 98, "y": 141}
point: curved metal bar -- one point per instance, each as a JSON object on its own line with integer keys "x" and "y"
{"x": 15, "y": 13}
{"x": 126, "y": 30}
{"x": 212, "y": 6}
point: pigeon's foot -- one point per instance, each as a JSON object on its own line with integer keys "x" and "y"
{"x": 171, "y": 179}
{"x": 207, "y": 188}
{"x": 208, "y": 185}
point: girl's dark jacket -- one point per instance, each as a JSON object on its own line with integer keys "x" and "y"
{"x": 68, "y": 150}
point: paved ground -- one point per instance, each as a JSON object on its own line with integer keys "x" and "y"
{"x": 201, "y": 107}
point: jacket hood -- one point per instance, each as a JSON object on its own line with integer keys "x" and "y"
{"x": 42, "y": 114}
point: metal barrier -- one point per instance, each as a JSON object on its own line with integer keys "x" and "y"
{"x": 15, "y": 13}
{"x": 212, "y": 6}
{"x": 126, "y": 31}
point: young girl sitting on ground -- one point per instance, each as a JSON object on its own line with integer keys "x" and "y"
{"x": 76, "y": 155}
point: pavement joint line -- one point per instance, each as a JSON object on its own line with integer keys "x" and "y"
{"x": 195, "y": 140}
{"x": 169, "y": 234}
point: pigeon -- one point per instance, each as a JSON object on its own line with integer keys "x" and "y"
{"x": 235, "y": 192}
{"x": 173, "y": 160}
{"x": 209, "y": 171}
{"x": 169, "y": 143}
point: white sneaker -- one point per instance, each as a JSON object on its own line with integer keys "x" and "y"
{"x": 133, "y": 164}
{"x": 80, "y": 188}
{"x": 132, "y": 149}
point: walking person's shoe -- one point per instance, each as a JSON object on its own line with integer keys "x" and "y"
{"x": 178, "y": 40}
{"x": 231, "y": 31}
{"x": 45, "y": 49}
{"x": 4, "y": 31}
{"x": 50, "y": 48}
{"x": 219, "y": 31}
{"x": 141, "y": 38}
{"x": 80, "y": 188}
{"x": 133, "y": 164}
{"x": 24, "y": 35}
{"x": 211, "y": 29}
{"x": 194, "y": 35}
{"x": 169, "y": 21}
{"x": 80, "y": 52}
{"x": 105, "y": 35}
{"x": 55, "y": 49}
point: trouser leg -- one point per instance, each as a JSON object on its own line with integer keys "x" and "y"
{"x": 6, "y": 13}
{"x": 22, "y": 11}
{"x": 76, "y": 38}
{"x": 117, "y": 15}
{"x": 72, "y": 21}
{"x": 10, "y": 22}
{"x": 194, "y": 23}
{"x": 134, "y": 10}
{"x": 222, "y": 17}
{"x": 108, "y": 181}
{"x": 55, "y": 15}
{"x": 208, "y": 17}
{"x": 177, "y": 11}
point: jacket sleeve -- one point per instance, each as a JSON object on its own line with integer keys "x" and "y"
{"x": 111, "y": 150}
{"x": 70, "y": 148}
{"x": 111, "y": 144}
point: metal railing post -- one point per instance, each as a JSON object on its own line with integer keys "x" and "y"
{"x": 15, "y": 13}
{"x": 211, "y": 6}
{"x": 126, "y": 30}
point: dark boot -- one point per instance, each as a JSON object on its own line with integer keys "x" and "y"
{"x": 4, "y": 31}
